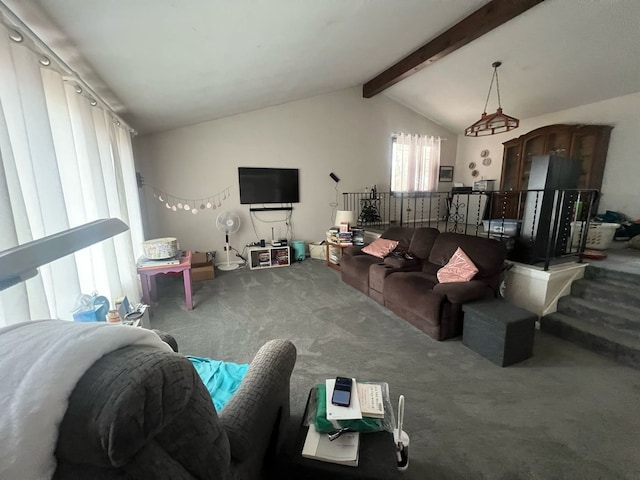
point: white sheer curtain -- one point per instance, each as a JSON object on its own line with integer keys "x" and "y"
{"x": 64, "y": 163}
{"x": 415, "y": 163}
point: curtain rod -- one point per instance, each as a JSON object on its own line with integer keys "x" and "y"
{"x": 443, "y": 139}
{"x": 46, "y": 50}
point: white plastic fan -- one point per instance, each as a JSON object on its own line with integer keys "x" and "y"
{"x": 228, "y": 222}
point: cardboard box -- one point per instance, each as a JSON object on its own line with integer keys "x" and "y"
{"x": 199, "y": 259}
{"x": 201, "y": 267}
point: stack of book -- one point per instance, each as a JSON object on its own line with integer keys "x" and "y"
{"x": 282, "y": 257}
{"x": 344, "y": 238}
{"x": 332, "y": 234}
{"x": 264, "y": 260}
{"x": 366, "y": 401}
{"x": 335, "y": 235}
{"x": 343, "y": 450}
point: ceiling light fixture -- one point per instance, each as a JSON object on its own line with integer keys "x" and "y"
{"x": 44, "y": 61}
{"x": 497, "y": 122}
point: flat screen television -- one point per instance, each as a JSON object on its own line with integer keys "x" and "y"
{"x": 268, "y": 185}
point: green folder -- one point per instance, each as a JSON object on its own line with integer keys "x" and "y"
{"x": 323, "y": 425}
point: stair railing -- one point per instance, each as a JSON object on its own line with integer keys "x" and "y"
{"x": 536, "y": 226}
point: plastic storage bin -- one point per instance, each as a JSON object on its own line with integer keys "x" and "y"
{"x": 599, "y": 236}
{"x": 91, "y": 315}
{"x": 91, "y": 309}
{"x": 506, "y": 227}
{"x": 298, "y": 250}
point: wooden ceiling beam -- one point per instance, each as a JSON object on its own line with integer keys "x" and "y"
{"x": 483, "y": 20}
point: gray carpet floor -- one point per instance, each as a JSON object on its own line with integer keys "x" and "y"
{"x": 565, "y": 413}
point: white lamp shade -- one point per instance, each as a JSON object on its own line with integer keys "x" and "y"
{"x": 345, "y": 216}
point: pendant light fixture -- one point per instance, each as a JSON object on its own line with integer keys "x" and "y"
{"x": 497, "y": 122}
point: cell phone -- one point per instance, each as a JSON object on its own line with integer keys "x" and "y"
{"x": 342, "y": 391}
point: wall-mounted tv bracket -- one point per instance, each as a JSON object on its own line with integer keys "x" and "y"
{"x": 269, "y": 209}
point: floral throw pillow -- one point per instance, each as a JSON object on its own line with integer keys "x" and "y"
{"x": 381, "y": 247}
{"x": 459, "y": 268}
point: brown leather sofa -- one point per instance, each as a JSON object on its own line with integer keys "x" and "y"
{"x": 354, "y": 264}
{"x": 411, "y": 289}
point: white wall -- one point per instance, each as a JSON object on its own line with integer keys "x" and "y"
{"x": 620, "y": 186}
{"x": 339, "y": 132}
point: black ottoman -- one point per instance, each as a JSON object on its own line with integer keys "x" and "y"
{"x": 499, "y": 331}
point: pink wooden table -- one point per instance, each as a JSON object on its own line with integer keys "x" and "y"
{"x": 147, "y": 277}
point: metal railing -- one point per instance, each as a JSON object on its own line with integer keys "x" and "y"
{"x": 536, "y": 226}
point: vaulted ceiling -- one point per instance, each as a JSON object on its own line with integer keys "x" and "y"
{"x": 164, "y": 64}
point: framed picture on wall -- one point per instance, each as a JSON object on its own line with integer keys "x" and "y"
{"x": 446, "y": 174}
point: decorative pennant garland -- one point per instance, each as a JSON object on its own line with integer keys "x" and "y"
{"x": 193, "y": 205}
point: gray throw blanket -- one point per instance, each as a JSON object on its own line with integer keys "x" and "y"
{"x": 41, "y": 364}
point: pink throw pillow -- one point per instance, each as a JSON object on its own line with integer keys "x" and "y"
{"x": 459, "y": 268}
{"x": 380, "y": 247}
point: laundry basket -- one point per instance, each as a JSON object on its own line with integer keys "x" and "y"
{"x": 317, "y": 250}
{"x": 599, "y": 236}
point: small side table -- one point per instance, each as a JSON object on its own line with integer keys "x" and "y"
{"x": 377, "y": 458}
{"x": 148, "y": 274}
{"x": 327, "y": 253}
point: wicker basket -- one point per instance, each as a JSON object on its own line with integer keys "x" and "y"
{"x": 599, "y": 236}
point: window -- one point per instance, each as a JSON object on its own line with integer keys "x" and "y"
{"x": 64, "y": 162}
{"x": 415, "y": 160}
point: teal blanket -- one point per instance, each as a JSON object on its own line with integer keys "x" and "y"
{"x": 222, "y": 379}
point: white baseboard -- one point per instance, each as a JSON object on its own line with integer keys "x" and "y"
{"x": 237, "y": 261}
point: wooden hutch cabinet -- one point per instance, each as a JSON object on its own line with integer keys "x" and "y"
{"x": 587, "y": 143}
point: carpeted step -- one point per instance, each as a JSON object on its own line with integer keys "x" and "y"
{"x": 614, "y": 316}
{"x": 613, "y": 277}
{"x": 606, "y": 292}
{"x": 594, "y": 337}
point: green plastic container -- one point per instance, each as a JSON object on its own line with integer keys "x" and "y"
{"x": 298, "y": 253}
